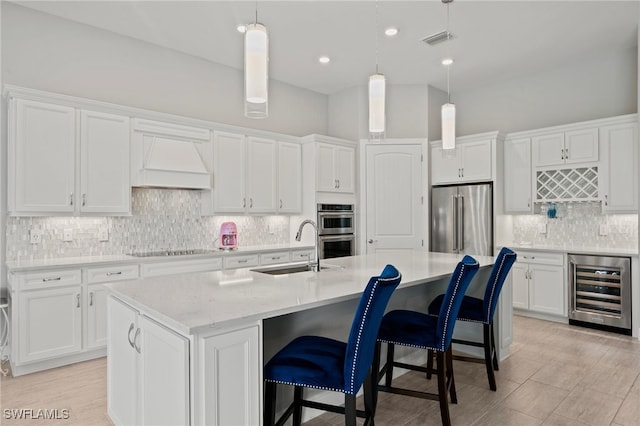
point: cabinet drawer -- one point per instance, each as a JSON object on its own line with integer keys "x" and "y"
{"x": 275, "y": 257}
{"x": 112, "y": 273}
{"x": 180, "y": 267}
{"x": 541, "y": 258}
{"x": 234, "y": 262}
{"x": 302, "y": 255}
{"x": 47, "y": 279}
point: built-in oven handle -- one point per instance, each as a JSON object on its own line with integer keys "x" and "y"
{"x": 454, "y": 208}
{"x": 461, "y": 222}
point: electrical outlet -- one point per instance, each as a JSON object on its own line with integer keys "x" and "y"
{"x": 35, "y": 236}
{"x": 67, "y": 235}
{"x": 103, "y": 233}
{"x": 542, "y": 228}
{"x": 604, "y": 229}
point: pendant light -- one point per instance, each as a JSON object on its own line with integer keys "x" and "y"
{"x": 448, "y": 110}
{"x": 377, "y": 89}
{"x": 256, "y": 70}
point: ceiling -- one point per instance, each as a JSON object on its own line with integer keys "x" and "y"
{"x": 494, "y": 39}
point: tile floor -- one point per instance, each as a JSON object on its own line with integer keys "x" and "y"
{"x": 557, "y": 375}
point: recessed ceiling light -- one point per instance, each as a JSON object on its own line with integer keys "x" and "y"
{"x": 324, "y": 59}
{"x": 447, "y": 61}
{"x": 391, "y": 31}
{"x": 242, "y": 28}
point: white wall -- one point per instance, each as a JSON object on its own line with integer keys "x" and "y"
{"x": 597, "y": 86}
{"x": 53, "y": 54}
{"x": 406, "y": 112}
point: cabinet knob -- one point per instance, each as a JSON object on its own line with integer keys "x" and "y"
{"x": 84, "y": 200}
{"x": 78, "y": 300}
{"x": 250, "y": 203}
{"x": 371, "y": 241}
{"x": 91, "y": 299}
{"x": 606, "y": 200}
{"x": 280, "y": 203}
{"x": 71, "y": 199}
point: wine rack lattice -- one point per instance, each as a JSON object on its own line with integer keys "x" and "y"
{"x": 579, "y": 184}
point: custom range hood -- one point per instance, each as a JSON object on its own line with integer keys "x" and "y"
{"x": 170, "y": 155}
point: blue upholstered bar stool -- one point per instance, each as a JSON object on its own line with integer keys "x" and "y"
{"x": 481, "y": 311}
{"x": 323, "y": 363}
{"x": 420, "y": 330}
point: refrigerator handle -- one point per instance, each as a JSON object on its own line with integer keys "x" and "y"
{"x": 454, "y": 209}
{"x": 461, "y": 222}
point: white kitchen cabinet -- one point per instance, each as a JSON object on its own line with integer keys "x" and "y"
{"x": 229, "y": 173}
{"x": 104, "y": 163}
{"x": 245, "y": 174}
{"x": 539, "y": 283}
{"x": 59, "y": 315}
{"x": 155, "y": 269}
{"x": 44, "y": 177}
{"x": 261, "y": 188}
{"x": 289, "y": 177}
{"x": 470, "y": 161}
{"x": 241, "y": 261}
{"x": 232, "y": 364}
{"x": 619, "y": 169}
{"x": 41, "y": 158}
{"x": 335, "y": 168}
{"x": 96, "y": 316}
{"x": 517, "y": 176}
{"x": 49, "y": 323}
{"x": 148, "y": 369}
{"x": 570, "y": 147}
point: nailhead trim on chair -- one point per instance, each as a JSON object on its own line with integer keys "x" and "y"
{"x": 355, "y": 355}
{"x": 493, "y": 286}
{"x": 410, "y": 345}
{"x": 305, "y": 385}
{"x": 446, "y": 318}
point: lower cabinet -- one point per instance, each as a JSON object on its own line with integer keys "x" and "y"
{"x": 539, "y": 283}
{"x": 233, "y": 377}
{"x": 147, "y": 368}
{"x": 50, "y": 323}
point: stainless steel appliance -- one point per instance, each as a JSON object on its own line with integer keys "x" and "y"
{"x": 600, "y": 292}
{"x": 462, "y": 219}
{"x": 336, "y": 230}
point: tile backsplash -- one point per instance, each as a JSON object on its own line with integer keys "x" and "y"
{"x": 161, "y": 219}
{"x": 578, "y": 224}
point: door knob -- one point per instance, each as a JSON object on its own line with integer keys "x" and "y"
{"x": 371, "y": 241}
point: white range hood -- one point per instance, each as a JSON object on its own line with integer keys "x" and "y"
{"x": 170, "y": 155}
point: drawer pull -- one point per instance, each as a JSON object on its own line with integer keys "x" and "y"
{"x": 135, "y": 341}
{"x": 243, "y": 261}
{"x": 91, "y": 299}
{"x": 276, "y": 257}
{"x": 78, "y": 300}
{"x": 114, "y": 273}
{"x": 51, "y": 279}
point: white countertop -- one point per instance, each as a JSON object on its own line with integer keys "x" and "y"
{"x": 64, "y": 262}
{"x": 190, "y": 302}
{"x": 572, "y": 249}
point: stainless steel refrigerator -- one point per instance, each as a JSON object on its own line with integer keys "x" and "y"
{"x": 462, "y": 219}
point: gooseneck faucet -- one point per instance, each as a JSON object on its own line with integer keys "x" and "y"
{"x": 299, "y": 235}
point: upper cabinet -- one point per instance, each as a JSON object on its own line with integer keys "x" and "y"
{"x": 517, "y": 176}
{"x": 570, "y": 147}
{"x": 52, "y": 171}
{"x": 590, "y": 161}
{"x": 254, "y": 175}
{"x": 289, "y": 177}
{"x": 619, "y": 170}
{"x": 472, "y": 160}
{"x": 104, "y": 163}
{"x": 335, "y": 168}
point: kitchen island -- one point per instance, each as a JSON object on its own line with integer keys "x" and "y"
{"x": 189, "y": 349}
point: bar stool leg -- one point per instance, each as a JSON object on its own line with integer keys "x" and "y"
{"x": 488, "y": 357}
{"x": 442, "y": 388}
{"x": 269, "y": 415}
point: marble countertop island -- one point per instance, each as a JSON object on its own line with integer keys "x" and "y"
{"x": 190, "y": 302}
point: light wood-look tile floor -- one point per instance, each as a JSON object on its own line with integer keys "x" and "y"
{"x": 557, "y": 375}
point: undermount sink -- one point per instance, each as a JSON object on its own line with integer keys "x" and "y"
{"x": 292, "y": 269}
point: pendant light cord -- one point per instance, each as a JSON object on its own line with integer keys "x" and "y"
{"x": 376, "y": 37}
{"x": 449, "y": 54}
{"x": 257, "y": 13}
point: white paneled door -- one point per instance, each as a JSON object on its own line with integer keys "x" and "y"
{"x": 394, "y": 204}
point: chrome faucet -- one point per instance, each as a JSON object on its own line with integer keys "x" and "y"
{"x": 299, "y": 235}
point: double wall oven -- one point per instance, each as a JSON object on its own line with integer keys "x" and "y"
{"x": 336, "y": 230}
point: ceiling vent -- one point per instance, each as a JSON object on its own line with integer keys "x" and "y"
{"x": 437, "y": 38}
